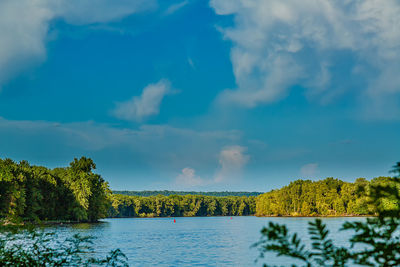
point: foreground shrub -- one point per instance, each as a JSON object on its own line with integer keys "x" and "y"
{"x": 375, "y": 242}
{"x": 33, "y": 248}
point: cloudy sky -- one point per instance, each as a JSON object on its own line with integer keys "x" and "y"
{"x": 202, "y": 95}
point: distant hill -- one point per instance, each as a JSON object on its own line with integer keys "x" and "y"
{"x": 182, "y": 193}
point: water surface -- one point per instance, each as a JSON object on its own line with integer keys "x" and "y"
{"x": 193, "y": 241}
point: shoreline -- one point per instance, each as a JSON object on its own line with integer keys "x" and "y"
{"x": 268, "y": 216}
{"x": 27, "y": 224}
{"x": 50, "y": 223}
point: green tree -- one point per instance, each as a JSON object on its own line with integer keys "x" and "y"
{"x": 176, "y": 205}
{"x": 378, "y": 236}
{"x": 26, "y": 248}
{"x": 35, "y": 193}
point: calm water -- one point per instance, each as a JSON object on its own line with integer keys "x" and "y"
{"x": 195, "y": 241}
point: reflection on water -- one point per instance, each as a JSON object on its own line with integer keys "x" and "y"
{"x": 88, "y": 226}
{"x": 191, "y": 241}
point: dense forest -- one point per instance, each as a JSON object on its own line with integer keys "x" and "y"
{"x": 175, "y": 205}
{"x": 35, "y": 193}
{"x": 378, "y": 236}
{"x": 183, "y": 193}
{"x": 328, "y": 197}
{"x": 76, "y": 193}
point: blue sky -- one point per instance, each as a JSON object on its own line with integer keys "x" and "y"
{"x": 202, "y": 95}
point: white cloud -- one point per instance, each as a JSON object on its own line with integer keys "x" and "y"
{"x": 188, "y": 178}
{"x": 81, "y": 12}
{"x": 159, "y": 147}
{"x": 279, "y": 44}
{"x": 191, "y": 63}
{"x": 24, "y": 26}
{"x": 309, "y": 170}
{"x": 175, "y": 7}
{"x": 145, "y": 105}
{"x": 232, "y": 160}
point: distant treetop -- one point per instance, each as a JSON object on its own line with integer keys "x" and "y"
{"x": 182, "y": 193}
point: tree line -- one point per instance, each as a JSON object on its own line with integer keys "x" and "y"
{"x": 36, "y": 193}
{"x": 76, "y": 193}
{"x": 148, "y": 193}
{"x": 177, "y": 205}
{"x": 378, "y": 236}
{"x": 328, "y": 197}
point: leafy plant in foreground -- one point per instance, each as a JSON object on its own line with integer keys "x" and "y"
{"x": 32, "y": 248}
{"x": 375, "y": 242}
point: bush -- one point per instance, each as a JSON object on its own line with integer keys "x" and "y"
{"x": 37, "y": 248}
{"x": 378, "y": 236}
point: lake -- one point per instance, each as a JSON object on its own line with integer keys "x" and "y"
{"x": 192, "y": 241}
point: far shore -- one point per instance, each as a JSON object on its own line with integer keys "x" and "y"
{"x": 49, "y": 223}
{"x": 269, "y": 216}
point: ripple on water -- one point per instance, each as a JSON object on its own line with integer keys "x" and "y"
{"x": 192, "y": 241}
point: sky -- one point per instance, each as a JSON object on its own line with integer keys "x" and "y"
{"x": 241, "y": 95}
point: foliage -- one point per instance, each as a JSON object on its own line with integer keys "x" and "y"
{"x": 33, "y": 248}
{"x": 375, "y": 241}
{"x": 174, "y": 205}
{"x": 328, "y": 197}
{"x": 183, "y": 193}
{"x": 35, "y": 193}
